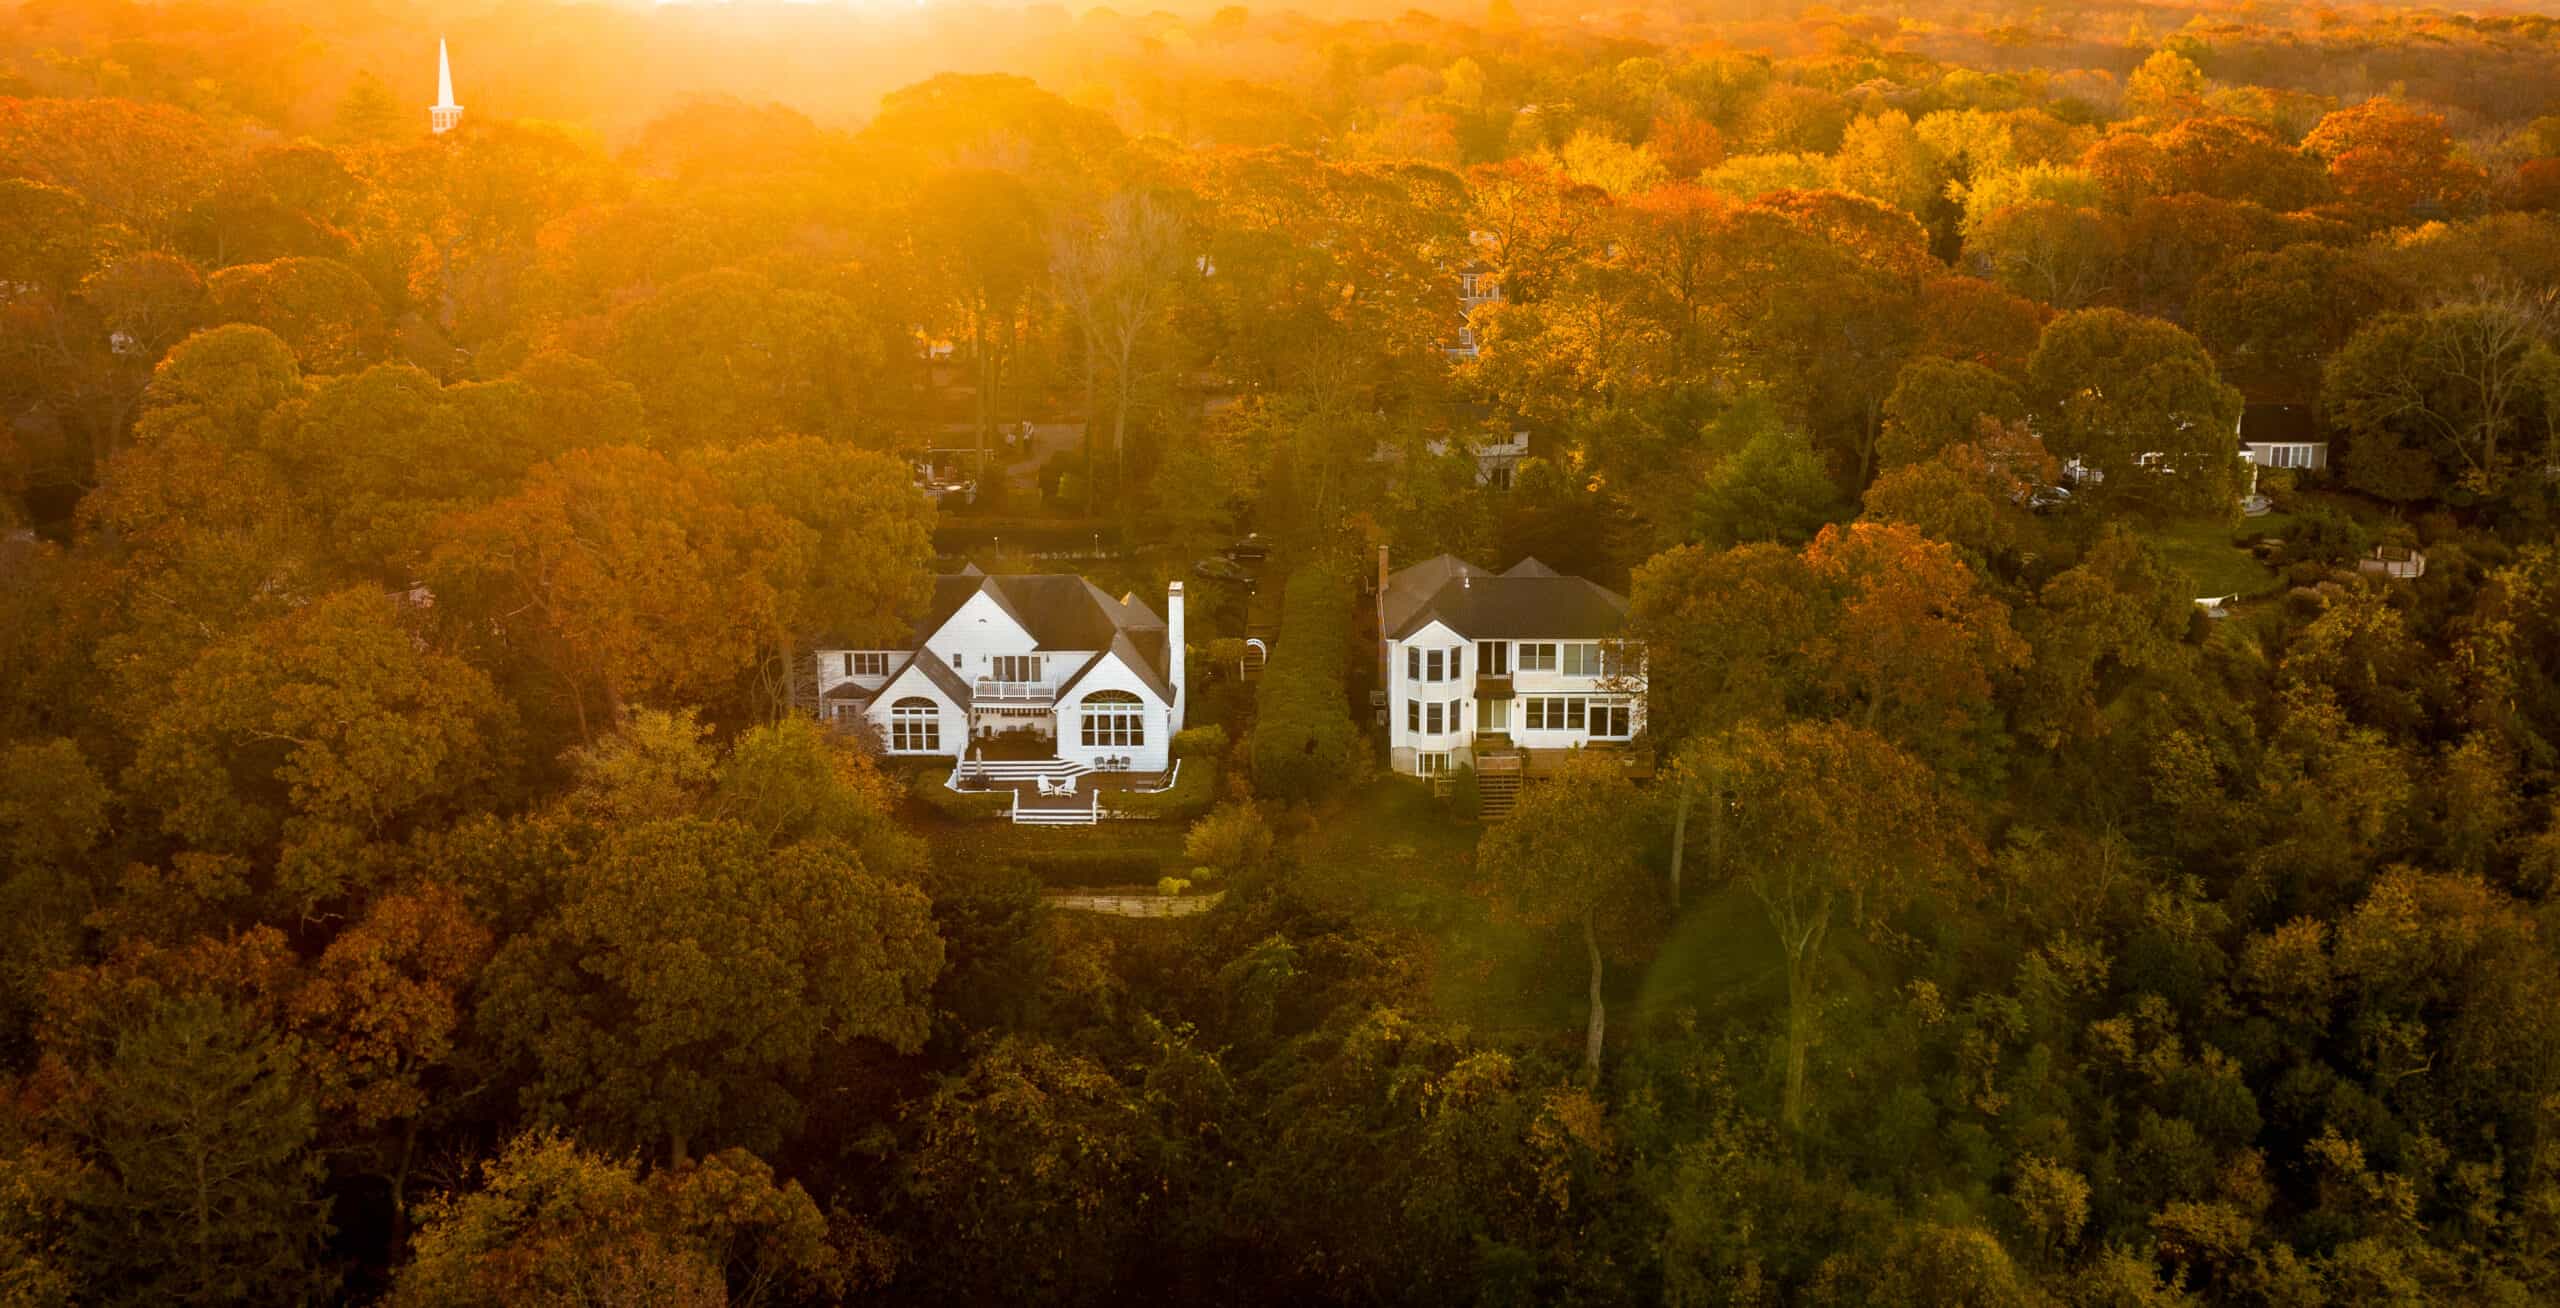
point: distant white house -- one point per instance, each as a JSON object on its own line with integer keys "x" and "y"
{"x": 1477, "y": 286}
{"x": 2283, "y": 436}
{"x": 1480, "y": 663}
{"x": 1038, "y": 666}
{"x": 1497, "y": 444}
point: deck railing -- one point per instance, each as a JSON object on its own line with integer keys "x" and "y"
{"x": 988, "y": 690}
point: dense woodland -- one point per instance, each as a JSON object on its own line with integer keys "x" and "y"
{"x": 419, "y": 887}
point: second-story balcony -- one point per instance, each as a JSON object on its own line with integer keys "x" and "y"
{"x": 990, "y": 691}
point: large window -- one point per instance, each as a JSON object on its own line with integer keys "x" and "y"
{"x": 1493, "y": 658}
{"x": 1431, "y": 719}
{"x": 1537, "y": 656}
{"x": 1582, "y": 660}
{"x": 1431, "y": 765}
{"x": 1114, "y": 719}
{"x": 1553, "y": 712}
{"x": 872, "y": 664}
{"x": 1016, "y": 667}
{"x": 1611, "y": 719}
{"x": 1429, "y": 664}
{"x": 915, "y": 726}
{"x": 1413, "y": 715}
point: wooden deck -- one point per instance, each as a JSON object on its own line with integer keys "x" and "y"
{"x": 1540, "y": 764}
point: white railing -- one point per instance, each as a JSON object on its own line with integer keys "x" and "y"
{"x": 1169, "y": 779}
{"x": 989, "y": 690}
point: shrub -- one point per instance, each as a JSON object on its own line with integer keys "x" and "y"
{"x": 1466, "y": 798}
{"x": 1088, "y": 868}
{"x": 1200, "y": 742}
{"x": 2324, "y": 535}
{"x": 926, "y": 784}
{"x": 1232, "y": 840}
{"x": 1303, "y": 739}
{"x": 1189, "y": 798}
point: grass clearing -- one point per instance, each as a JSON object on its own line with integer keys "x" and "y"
{"x": 2202, "y": 549}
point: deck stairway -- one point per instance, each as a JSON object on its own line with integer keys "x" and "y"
{"x": 1497, "y": 784}
{"x": 1006, "y": 771}
{"x": 1031, "y": 809}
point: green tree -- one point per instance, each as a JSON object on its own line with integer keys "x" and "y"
{"x": 727, "y": 356}
{"x": 1941, "y": 402}
{"x": 203, "y": 1186}
{"x": 2113, "y": 390}
{"x": 552, "y": 1224}
{"x": 321, "y": 729}
{"x": 2468, "y": 388}
{"x": 2273, "y": 317}
{"x": 1827, "y": 821}
{"x": 689, "y": 978}
{"x": 867, "y": 533}
{"x": 1570, "y": 855}
{"x": 625, "y": 576}
{"x": 1773, "y": 488}
{"x": 980, "y": 230}
{"x": 324, "y": 309}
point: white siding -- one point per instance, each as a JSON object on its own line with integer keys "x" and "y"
{"x": 1153, "y": 755}
{"x": 1457, "y": 736}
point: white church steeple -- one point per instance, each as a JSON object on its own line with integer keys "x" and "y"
{"x": 444, "y": 115}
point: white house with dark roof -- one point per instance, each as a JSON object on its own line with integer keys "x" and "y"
{"x": 1023, "y": 667}
{"x": 1516, "y": 663}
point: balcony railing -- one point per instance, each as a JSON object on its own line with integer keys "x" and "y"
{"x": 988, "y": 690}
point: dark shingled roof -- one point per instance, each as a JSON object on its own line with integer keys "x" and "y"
{"x": 1062, "y": 613}
{"x": 1529, "y": 602}
{"x": 2280, "y": 424}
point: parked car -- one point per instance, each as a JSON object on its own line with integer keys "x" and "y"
{"x": 1221, "y": 570}
{"x": 2045, "y": 499}
{"x": 1252, "y": 548}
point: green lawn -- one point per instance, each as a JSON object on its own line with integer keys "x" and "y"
{"x": 2203, "y": 550}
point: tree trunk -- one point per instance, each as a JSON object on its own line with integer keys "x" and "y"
{"x": 978, "y": 342}
{"x": 1092, "y": 397}
{"x": 1120, "y": 455}
{"x": 1599, "y": 1010}
{"x": 1680, "y": 832}
{"x": 1801, "y": 953}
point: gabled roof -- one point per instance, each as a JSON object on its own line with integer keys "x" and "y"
{"x": 1061, "y": 612}
{"x": 950, "y": 683}
{"x": 1529, "y": 602}
{"x": 1142, "y": 653}
{"x": 1411, "y": 588}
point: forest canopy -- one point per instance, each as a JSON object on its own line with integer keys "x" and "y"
{"x": 2083, "y": 483}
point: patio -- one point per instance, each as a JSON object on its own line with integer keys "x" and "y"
{"x": 1047, "y": 791}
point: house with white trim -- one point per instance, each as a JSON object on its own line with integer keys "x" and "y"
{"x": 2283, "y": 436}
{"x": 1482, "y": 665}
{"x": 1021, "y": 667}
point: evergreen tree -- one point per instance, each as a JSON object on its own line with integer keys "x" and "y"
{"x": 203, "y": 1188}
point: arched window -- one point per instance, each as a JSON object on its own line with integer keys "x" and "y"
{"x": 915, "y": 726}
{"x": 1114, "y": 719}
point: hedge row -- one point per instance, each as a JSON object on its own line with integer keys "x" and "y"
{"x": 1303, "y": 737}
{"x": 927, "y": 785}
{"x": 1201, "y": 742}
{"x": 1088, "y": 868}
{"x": 1189, "y": 798}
